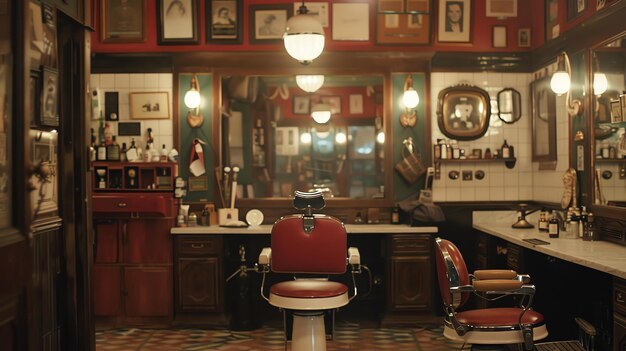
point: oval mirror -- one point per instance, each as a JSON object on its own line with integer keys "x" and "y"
{"x": 509, "y": 105}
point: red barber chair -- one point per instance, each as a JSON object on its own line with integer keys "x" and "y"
{"x": 486, "y": 328}
{"x": 309, "y": 246}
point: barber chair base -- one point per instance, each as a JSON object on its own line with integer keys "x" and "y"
{"x": 309, "y": 333}
{"x": 494, "y": 338}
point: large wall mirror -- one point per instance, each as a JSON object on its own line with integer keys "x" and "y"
{"x": 609, "y": 122}
{"x": 269, "y": 133}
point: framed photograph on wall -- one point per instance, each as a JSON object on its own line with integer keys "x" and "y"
{"x": 301, "y": 105}
{"x": 575, "y": 8}
{"x": 498, "y": 37}
{"x": 552, "y": 28}
{"x": 356, "y": 104}
{"x": 49, "y": 23}
{"x": 334, "y": 102}
{"x": 123, "y": 21}
{"x": 49, "y": 98}
{"x": 149, "y": 105}
{"x": 226, "y": 19}
{"x": 501, "y": 8}
{"x": 267, "y": 22}
{"x": 454, "y": 21}
{"x": 318, "y": 9}
{"x": 523, "y": 37}
{"x": 351, "y": 21}
{"x": 396, "y": 24}
{"x": 177, "y": 22}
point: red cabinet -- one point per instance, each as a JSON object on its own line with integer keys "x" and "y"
{"x": 132, "y": 274}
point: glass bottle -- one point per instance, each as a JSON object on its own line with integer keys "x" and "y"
{"x": 589, "y": 233}
{"x": 113, "y": 150}
{"x": 163, "y": 157}
{"x": 123, "y": 153}
{"x": 553, "y": 226}
{"x": 102, "y": 151}
{"x": 395, "y": 215}
{"x": 506, "y": 152}
{"x": 543, "y": 222}
{"x": 437, "y": 149}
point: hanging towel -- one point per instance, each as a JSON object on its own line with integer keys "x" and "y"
{"x": 196, "y": 160}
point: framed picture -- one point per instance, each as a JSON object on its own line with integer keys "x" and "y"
{"x": 44, "y": 197}
{"x": 177, "y": 22}
{"x": 616, "y": 111}
{"x": 575, "y": 8}
{"x": 454, "y": 21}
{"x": 501, "y": 8}
{"x": 600, "y": 4}
{"x": 552, "y": 28}
{"x": 123, "y": 21}
{"x": 319, "y": 9}
{"x": 149, "y": 105}
{"x": 334, "y": 102}
{"x": 463, "y": 112}
{"x": 49, "y": 98}
{"x": 356, "y": 104}
{"x": 287, "y": 139}
{"x": 351, "y": 21}
{"x": 498, "y": 37}
{"x": 301, "y": 105}
{"x": 543, "y": 120}
{"x": 267, "y": 22}
{"x": 49, "y": 20}
{"x": 226, "y": 21}
{"x": 36, "y": 37}
{"x": 523, "y": 37}
{"x": 396, "y": 24}
{"x": 35, "y": 97}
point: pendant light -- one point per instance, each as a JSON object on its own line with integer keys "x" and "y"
{"x": 304, "y": 36}
{"x": 321, "y": 113}
{"x": 310, "y": 83}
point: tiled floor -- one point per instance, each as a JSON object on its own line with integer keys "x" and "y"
{"x": 348, "y": 336}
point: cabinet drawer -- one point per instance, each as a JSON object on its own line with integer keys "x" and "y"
{"x": 410, "y": 244}
{"x": 619, "y": 297}
{"x": 160, "y": 205}
{"x": 191, "y": 246}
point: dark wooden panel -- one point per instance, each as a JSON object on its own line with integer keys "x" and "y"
{"x": 148, "y": 291}
{"x": 418, "y": 244}
{"x": 619, "y": 297}
{"x": 106, "y": 241}
{"x": 199, "y": 284}
{"x": 195, "y": 246}
{"x": 107, "y": 291}
{"x": 619, "y": 333}
{"x": 411, "y": 283}
{"x": 147, "y": 241}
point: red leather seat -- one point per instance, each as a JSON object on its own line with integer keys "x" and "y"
{"x": 498, "y": 316}
{"x": 308, "y": 289}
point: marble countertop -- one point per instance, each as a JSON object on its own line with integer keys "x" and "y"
{"x": 350, "y": 228}
{"x": 600, "y": 255}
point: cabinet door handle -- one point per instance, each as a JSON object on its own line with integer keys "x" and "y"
{"x": 620, "y": 297}
{"x": 122, "y": 204}
{"x": 197, "y": 246}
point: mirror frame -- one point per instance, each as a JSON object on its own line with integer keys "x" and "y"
{"x": 543, "y": 84}
{"x": 516, "y": 105}
{"x": 285, "y": 202}
{"x": 448, "y": 96}
{"x": 607, "y": 211}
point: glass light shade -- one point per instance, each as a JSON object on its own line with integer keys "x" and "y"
{"x": 410, "y": 98}
{"x": 305, "y": 138}
{"x": 341, "y": 138}
{"x": 560, "y": 82}
{"x": 310, "y": 83}
{"x": 380, "y": 137}
{"x": 192, "y": 98}
{"x": 304, "y": 37}
{"x": 600, "y": 83}
{"x": 320, "y": 113}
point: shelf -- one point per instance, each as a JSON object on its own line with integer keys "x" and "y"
{"x": 508, "y": 162}
{"x": 610, "y": 160}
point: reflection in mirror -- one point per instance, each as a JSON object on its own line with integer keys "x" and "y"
{"x": 609, "y": 87}
{"x": 509, "y": 105}
{"x": 543, "y": 102}
{"x": 281, "y": 149}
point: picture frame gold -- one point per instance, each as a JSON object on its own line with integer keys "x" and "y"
{"x": 463, "y": 112}
{"x": 123, "y": 21}
{"x": 149, "y": 105}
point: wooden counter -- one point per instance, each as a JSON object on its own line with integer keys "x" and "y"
{"x": 599, "y": 255}
{"x": 267, "y": 229}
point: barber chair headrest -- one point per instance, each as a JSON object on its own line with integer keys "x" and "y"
{"x": 304, "y": 200}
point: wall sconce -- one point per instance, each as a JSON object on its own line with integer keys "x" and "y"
{"x": 410, "y": 99}
{"x": 561, "y": 82}
{"x": 321, "y": 113}
{"x": 304, "y": 36}
{"x": 310, "y": 83}
{"x": 600, "y": 83}
{"x": 192, "y": 101}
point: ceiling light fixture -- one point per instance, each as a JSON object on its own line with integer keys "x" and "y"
{"x": 410, "y": 99}
{"x": 310, "y": 82}
{"x": 561, "y": 83}
{"x": 321, "y": 113}
{"x": 304, "y": 36}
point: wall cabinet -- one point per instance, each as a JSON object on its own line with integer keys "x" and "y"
{"x": 410, "y": 278}
{"x": 132, "y": 274}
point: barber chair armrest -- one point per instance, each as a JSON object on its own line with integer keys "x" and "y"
{"x": 462, "y": 288}
{"x": 265, "y": 257}
{"x": 503, "y": 285}
{"x": 485, "y": 274}
{"x": 354, "y": 257}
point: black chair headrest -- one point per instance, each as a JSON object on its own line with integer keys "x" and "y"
{"x": 313, "y": 200}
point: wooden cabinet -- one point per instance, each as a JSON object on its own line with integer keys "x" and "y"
{"x": 619, "y": 315}
{"x": 198, "y": 279}
{"x": 410, "y": 278}
{"x": 132, "y": 274}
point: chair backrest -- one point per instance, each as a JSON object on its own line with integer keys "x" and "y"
{"x": 322, "y": 250}
{"x": 451, "y": 272}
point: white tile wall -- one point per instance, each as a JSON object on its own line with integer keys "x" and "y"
{"x": 124, "y": 84}
{"x": 524, "y": 182}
